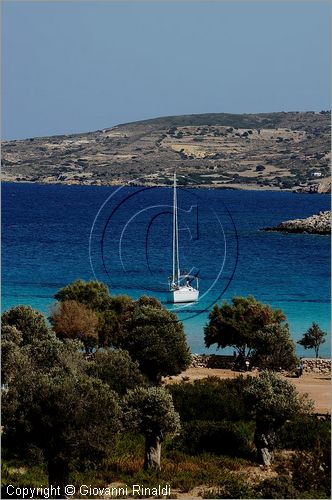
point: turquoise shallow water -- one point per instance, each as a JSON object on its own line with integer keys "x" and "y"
{"x": 55, "y": 234}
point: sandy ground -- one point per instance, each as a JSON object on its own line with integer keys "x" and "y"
{"x": 316, "y": 385}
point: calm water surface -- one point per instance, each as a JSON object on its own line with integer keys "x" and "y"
{"x": 54, "y": 234}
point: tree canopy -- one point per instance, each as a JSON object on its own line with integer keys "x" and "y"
{"x": 253, "y": 329}
{"x": 151, "y": 411}
{"x": 274, "y": 349}
{"x": 94, "y": 294}
{"x": 52, "y": 404}
{"x": 272, "y": 400}
{"x": 155, "y": 338}
{"x": 73, "y": 320}
{"x": 313, "y": 338}
{"x": 117, "y": 369}
{"x": 28, "y": 321}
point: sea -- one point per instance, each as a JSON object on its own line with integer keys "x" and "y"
{"x": 55, "y": 234}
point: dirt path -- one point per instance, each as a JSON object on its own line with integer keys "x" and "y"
{"x": 317, "y": 386}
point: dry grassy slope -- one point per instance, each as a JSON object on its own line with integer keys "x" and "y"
{"x": 275, "y": 150}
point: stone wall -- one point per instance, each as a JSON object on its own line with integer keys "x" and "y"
{"x": 222, "y": 361}
{"x": 211, "y": 361}
{"x": 311, "y": 365}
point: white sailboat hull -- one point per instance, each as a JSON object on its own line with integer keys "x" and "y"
{"x": 183, "y": 294}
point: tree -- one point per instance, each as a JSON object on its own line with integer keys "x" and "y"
{"x": 111, "y": 311}
{"x": 28, "y": 321}
{"x": 274, "y": 349}
{"x": 151, "y": 412}
{"x": 117, "y": 369}
{"x": 313, "y": 338}
{"x": 94, "y": 294}
{"x": 238, "y": 325}
{"x": 52, "y": 404}
{"x": 272, "y": 401}
{"x": 73, "y": 320}
{"x": 155, "y": 338}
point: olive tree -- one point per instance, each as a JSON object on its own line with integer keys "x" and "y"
{"x": 31, "y": 323}
{"x": 253, "y": 329}
{"x": 313, "y": 338}
{"x": 117, "y": 369}
{"x": 53, "y": 405}
{"x": 272, "y": 401}
{"x": 111, "y": 311}
{"x": 274, "y": 349}
{"x": 94, "y": 294}
{"x": 151, "y": 412}
{"x": 155, "y": 338}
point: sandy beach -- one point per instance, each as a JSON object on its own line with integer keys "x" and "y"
{"x": 316, "y": 385}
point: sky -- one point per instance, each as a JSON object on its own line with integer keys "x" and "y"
{"x": 70, "y": 67}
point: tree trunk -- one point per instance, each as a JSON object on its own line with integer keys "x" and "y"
{"x": 58, "y": 476}
{"x": 264, "y": 441}
{"x": 152, "y": 451}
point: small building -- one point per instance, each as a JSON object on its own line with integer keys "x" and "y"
{"x": 317, "y": 174}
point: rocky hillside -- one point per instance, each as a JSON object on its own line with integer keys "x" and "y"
{"x": 268, "y": 151}
{"x": 316, "y": 224}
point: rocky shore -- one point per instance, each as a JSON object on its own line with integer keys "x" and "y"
{"x": 316, "y": 224}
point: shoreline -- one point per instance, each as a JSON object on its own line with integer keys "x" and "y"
{"x": 230, "y": 187}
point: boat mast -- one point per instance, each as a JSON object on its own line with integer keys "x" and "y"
{"x": 176, "y": 264}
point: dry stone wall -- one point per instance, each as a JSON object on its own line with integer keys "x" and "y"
{"x": 311, "y": 365}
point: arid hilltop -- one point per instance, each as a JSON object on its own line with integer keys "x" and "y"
{"x": 253, "y": 151}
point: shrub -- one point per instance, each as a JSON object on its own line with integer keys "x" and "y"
{"x": 231, "y": 487}
{"x": 305, "y": 432}
{"x": 229, "y": 438}
{"x": 210, "y": 399}
{"x": 277, "y": 487}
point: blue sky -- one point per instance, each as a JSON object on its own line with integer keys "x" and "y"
{"x": 72, "y": 67}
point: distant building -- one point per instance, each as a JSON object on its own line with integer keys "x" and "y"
{"x": 317, "y": 174}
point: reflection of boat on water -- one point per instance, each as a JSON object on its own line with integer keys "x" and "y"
{"x": 180, "y": 285}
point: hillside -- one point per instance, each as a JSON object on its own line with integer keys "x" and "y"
{"x": 270, "y": 151}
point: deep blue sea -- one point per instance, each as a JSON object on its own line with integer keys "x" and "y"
{"x": 55, "y": 234}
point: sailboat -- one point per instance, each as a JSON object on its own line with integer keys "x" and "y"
{"x": 180, "y": 285}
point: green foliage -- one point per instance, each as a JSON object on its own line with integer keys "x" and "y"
{"x": 277, "y": 487}
{"x": 115, "y": 368}
{"x": 210, "y": 399}
{"x": 231, "y": 487}
{"x": 239, "y": 325}
{"x": 112, "y": 320}
{"x": 313, "y": 338}
{"x": 305, "y": 432}
{"x": 94, "y": 294}
{"x": 222, "y": 438}
{"x": 28, "y": 321}
{"x": 151, "y": 411}
{"x": 51, "y": 404}
{"x": 274, "y": 349}
{"x": 311, "y": 471}
{"x": 155, "y": 338}
{"x": 12, "y": 334}
{"x": 274, "y": 399}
